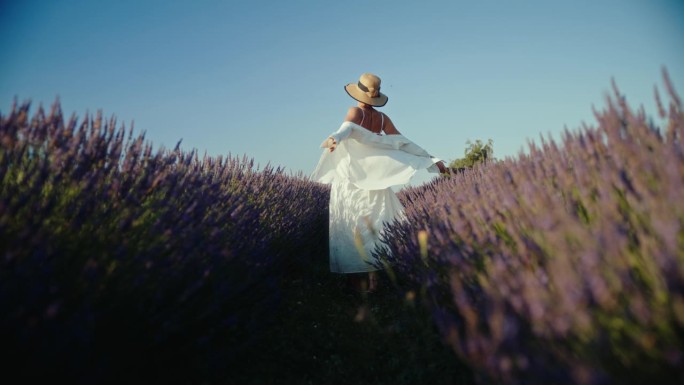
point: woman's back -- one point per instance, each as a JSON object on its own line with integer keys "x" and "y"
{"x": 371, "y": 119}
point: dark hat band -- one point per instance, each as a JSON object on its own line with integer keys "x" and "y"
{"x": 364, "y": 88}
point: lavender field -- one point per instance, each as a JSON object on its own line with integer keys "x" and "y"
{"x": 564, "y": 265}
{"x": 118, "y": 258}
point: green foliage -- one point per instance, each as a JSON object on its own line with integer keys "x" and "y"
{"x": 475, "y": 153}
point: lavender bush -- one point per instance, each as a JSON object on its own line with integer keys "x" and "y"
{"x": 565, "y": 265}
{"x": 120, "y": 259}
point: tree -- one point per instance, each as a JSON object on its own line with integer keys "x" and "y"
{"x": 475, "y": 153}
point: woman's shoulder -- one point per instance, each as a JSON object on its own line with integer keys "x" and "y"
{"x": 354, "y": 115}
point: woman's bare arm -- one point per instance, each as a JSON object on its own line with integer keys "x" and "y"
{"x": 389, "y": 127}
{"x": 354, "y": 116}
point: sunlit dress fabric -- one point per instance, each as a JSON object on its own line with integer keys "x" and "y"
{"x": 361, "y": 171}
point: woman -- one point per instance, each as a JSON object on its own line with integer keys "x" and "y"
{"x": 364, "y": 159}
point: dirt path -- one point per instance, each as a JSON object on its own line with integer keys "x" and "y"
{"x": 327, "y": 334}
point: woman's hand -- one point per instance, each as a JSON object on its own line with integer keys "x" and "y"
{"x": 329, "y": 144}
{"x": 443, "y": 169}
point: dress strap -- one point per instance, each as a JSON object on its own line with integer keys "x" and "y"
{"x": 382, "y": 121}
{"x": 363, "y": 116}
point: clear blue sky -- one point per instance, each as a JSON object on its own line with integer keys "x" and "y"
{"x": 265, "y": 78}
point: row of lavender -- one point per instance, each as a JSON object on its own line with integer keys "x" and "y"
{"x": 120, "y": 259}
{"x": 565, "y": 265}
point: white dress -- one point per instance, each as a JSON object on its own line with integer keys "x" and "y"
{"x": 362, "y": 170}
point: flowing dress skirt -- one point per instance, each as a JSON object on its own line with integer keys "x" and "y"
{"x": 357, "y": 218}
{"x": 362, "y": 171}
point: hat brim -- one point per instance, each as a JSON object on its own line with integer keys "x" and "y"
{"x": 355, "y": 92}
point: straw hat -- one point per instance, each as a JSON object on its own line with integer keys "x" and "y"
{"x": 367, "y": 90}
